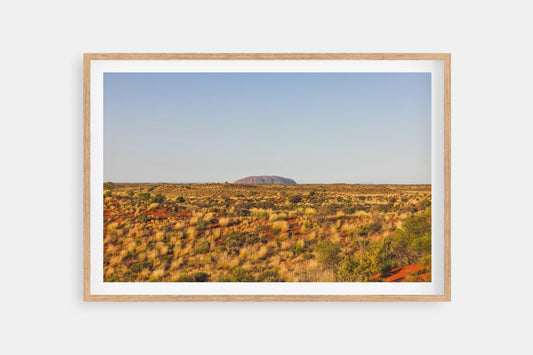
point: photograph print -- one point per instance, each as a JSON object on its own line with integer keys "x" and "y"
{"x": 258, "y": 177}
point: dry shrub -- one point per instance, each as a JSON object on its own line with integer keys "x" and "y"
{"x": 281, "y": 226}
{"x": 349, "y": 228}
{"x": 191, "y": 231}
{"x": 156, "y": 275}
{"x": 159, "y": 236}
{"x": 196, "y": 216}
{"x": 109, "y": 271}
{"x": 152, "y": 254}
{"x": 286, "y": 245}
{"x": 310, "y": 271}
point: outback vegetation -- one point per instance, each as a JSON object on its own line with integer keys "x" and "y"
{"x": 267, "y": 233}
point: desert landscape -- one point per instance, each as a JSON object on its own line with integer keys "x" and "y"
{"x": 191, "y": 183}
{"x": 253, "y": 231}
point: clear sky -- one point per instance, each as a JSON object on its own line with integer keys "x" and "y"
{"x": 311, "y": 127}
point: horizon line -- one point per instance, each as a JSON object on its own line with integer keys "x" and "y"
{"x": 233, "y": 183}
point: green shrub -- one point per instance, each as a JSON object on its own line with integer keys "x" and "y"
{"x": 144, "y": 196}
{"x": 224, "y": 278}
{"x": 261, "y": 214}
{"x": 186, "y": 278}
{"x": 109, "y": 186}
{"x": 328, "y": 253}
{"x": 261, "y": 228}
{"x": 203, "y": 247}
{"x": 422, "y": 205}
{"x": 282, "y": 216}
{"x": 348, "y": 209}
{"x": 271, "y": 250}
{"x": 418, "y": 226}
{"x": 158, "y": 198}
{"x": 143, "y": 218}
{"x": 269, "y": 276}
{"x": 108, "y": 193}
{"x": 139, "y": 266}
{"x": 386, "y": 267}
{"x": 375, "y": 227}
{"x": 201, "y": 224}
{"x": 235, "y": 240}
{"x": 252, "y": 238}
{"x": 308, "y": 256}
{"x": 238, "y": 274}
{"x": 385, "y": 207}
{"x": 412, "y": 241}
{"x": 296, "y": 198}
{"x": 356, "y": 269}
{"x": 241, "y": 211}
{"x": 422, "y": 244}
{"x": 130, "y": 193}
{"x": 129, "y": 255}
{"x": 298, "y": 249}
{"x": 330, "y": 209}
{"x": 264, "y": 205}
{"x": 113, "y": 278}
{"x": 363, "y": 231}
{"x": 363, "y": 265}
{"x": 275, "y": 230}
{"x": 201, "y": 277}
{"x": 155, "y": 278}
{"x": 425, "y": 261}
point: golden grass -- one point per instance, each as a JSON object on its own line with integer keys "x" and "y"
{"x": 259, "y": 232}
{"x": 281, "y": 225}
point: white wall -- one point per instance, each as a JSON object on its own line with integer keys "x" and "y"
{"x": 41, "y": 156}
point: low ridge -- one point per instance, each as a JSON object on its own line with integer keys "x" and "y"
{"x": 265, "y": 180}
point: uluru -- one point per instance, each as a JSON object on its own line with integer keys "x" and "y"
{"x": 265, "y": 180}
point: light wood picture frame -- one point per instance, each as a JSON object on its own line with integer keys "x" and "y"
{"x": 436, "y": 289}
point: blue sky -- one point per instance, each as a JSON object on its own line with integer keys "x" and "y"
{"x": 311, "y": 127}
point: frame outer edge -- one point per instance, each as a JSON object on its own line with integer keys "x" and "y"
{"x": 88, "y": 297}
{"x": 447, "y": 177}
{"x": 86, "y": 177}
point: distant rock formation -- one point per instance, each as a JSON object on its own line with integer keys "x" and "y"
{"x": 265, "y": 180}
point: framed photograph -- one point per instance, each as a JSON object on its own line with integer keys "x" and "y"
{"x": 267, "y": 177}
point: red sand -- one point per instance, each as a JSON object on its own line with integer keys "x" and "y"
{"x": 418, "y": 272}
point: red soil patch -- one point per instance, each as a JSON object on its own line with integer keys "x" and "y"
{"x": 418, "y": 272}
{"x": 294, "y": 229}
{"x": 185, "y": 213}
{"x": 159, "y": 212}
{"x": 110, "y": 218}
